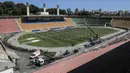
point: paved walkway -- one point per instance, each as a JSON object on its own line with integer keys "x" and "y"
{"x": 68, "y": 65}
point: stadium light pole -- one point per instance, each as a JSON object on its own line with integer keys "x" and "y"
{"x": 28, "y": 11}
{"x": 58, "y": 10}
{"x": 44, "y": 7}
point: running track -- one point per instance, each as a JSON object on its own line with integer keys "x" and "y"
{"x": 75, "y": 62}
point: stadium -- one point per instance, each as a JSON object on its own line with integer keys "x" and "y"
{"x": 42, "y": 42}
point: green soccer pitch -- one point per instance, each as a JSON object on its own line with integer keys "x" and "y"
{"x": 62, "y": 38}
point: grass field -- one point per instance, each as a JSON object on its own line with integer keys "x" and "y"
{"x": 62, "y": 38}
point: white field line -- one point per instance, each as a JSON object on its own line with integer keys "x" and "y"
{"x": 30, "y": 38}
{"x": 35, "y": 41}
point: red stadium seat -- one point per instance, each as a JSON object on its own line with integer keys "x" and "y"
{"x": 8, "y": 26}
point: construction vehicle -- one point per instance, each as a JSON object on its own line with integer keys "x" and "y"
{"x": 96, "y": 35}
{"x": 93, "y": 40}
{"x": 38, "y": 61}
{"x": 38, "y": 58}
{"x": 36, "y": 54}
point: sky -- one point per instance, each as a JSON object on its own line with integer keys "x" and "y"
{"x": 107, "y": 5}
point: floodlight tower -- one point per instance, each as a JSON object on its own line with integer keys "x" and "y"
{"x": 44, "y": 7}
{"x": 58, "y": 10}
{"x": 28, "y": 11}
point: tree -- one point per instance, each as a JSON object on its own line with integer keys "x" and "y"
{"x": 52, "y": 11}
{"x": 16, "y": 11}
{"x": 1, "y": 10}
{"x": 120, "y": 12}
{"x": 22, "y": 8}
{"x": 85, "y": 13}
{"x": 126, "y": 13}
{"x": 34, "y": 9}
{"x": 8, "y": 6}
{"x": 62, "y": 11}
{"x": 76, "y": 11}
{"x": 69, "y": 12}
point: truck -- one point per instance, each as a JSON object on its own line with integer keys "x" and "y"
{"x": 38, "y": 58}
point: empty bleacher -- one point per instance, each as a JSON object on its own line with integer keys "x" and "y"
{"x": 8, "y": 26}
{"x": 92, "y": 21}
{"x": 45, "y": 25}
{"x": 125, "y": 23}
{"x": 98, "y": 21}
{"x": 79, "y": 21}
